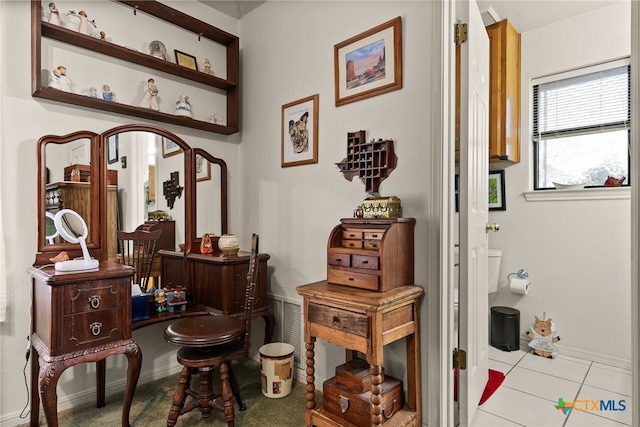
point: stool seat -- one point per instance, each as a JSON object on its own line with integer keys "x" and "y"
{"x": 204, "y": 331}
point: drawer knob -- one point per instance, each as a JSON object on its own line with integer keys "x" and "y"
{"x": 336, "y": 319}
{"x": 365, "y": 262}
{"x": 95, "y": 328}
{"x": 94, "y": 301}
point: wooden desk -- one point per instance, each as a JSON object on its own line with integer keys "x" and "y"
{"x": 219, "y": 282}
{"x": 80, "y": 317}
{"x": 364, "y": 321}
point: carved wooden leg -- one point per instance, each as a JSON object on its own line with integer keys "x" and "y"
{"x": 311, "y": 379}
{"x": 235, "y": 388}
{"x": 179, "y": 397}
{"x": 227, "y": 394}
{"x": 35, "y": 395}
{"x": 376, "y": 389}
{"x": 205, "y": 395}
{"x": 134, "y": 356}
{"x": 48, "y": 381}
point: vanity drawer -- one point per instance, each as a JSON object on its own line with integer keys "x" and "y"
{"x": 339, "y": 319}
{"x": 343, "y": 260}
{"x": 92, "y": 296}
{"x": 356, "y": 280}
{"x": 366, "y": 262}
{"x": 371, "y": 244}
{"x": 353, "y": 244}
{"x": 90, "y": 329}
{"x": 373, "y": 235}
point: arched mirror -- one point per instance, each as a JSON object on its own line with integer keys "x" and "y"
{"x": 209, "y": 195}
{"x": 65, "y": 182}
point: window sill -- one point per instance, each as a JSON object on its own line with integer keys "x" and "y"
{"x": 611, "y": 193}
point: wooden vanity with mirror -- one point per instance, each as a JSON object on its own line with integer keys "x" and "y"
{"x": 153, "y": 155}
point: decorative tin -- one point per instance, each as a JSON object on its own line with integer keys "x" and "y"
{"x": 382, "y": 207}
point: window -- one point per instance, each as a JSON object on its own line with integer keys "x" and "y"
{"x": 581, "y": 126}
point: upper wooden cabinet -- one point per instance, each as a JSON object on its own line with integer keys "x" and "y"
{"x": 504, "y": 96}
{"x": 192, "y": 80}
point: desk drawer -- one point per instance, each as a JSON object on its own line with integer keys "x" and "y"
{"x": 342, "y": 320}
{"x": 89, "y": 329}
{"x": 366, "y": 262}
{"x": 356, "y": 280}
{"x": 353, "y": 244}
{"x": 352, "y": 234}
{"x": 93, "y": 296}
{"x": 342, "y": 260}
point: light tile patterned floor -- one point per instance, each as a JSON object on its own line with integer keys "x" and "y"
{"x": 532, "y": 386}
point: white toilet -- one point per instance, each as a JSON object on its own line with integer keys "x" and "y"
{"x": 494, "y": 261}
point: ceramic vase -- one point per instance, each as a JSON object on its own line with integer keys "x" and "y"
{"x": 228, "y": 244}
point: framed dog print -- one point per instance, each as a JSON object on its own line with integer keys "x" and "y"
{"x": 496, "y": 191}
{"x": 369, "y": 64}
{"x": 300, "y": 132}
{"x": 203, "y": 169}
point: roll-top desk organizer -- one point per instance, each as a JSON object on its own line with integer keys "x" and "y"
{"x": 371, "y": 253}
{"x": 80, "y": 317}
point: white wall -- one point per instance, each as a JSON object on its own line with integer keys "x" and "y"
{"x": 23, "y": 122}
{"x": 577, "y": 252}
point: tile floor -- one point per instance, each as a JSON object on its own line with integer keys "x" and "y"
{"x": 533, "y": 385}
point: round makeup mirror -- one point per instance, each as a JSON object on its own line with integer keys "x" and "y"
{"x": 73, "y": 229}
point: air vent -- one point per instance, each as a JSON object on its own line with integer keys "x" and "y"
{"x": 489, "y": 16}
{"x": 288, "y": 329}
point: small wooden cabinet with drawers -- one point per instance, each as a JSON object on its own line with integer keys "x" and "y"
{"x": 373, "y": 253}
{"x": 80, "y": 317}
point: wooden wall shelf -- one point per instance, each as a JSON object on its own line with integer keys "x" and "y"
{"x": 228, "y": 86}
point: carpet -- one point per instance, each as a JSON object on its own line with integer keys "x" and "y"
{"x": 152, "y": 401}
{"x": 495, "y": 380}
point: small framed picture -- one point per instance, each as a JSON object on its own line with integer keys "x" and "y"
{"x": 186, "y": 60}
{"x": 369, "y": 63}
{"x": 113, "y": 147}
{"x": 203, "y": 169}
{"x": 497, "y": 201}
{"x": 300, "y": 132}
{"x": 169, "y": 148}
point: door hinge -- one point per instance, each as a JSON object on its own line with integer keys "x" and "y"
{"x": 459, "y": 33}
{"x": 459, "y": 359}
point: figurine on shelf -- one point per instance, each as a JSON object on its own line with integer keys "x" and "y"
{"x": 83, "y": 26}
{"x": 183, "y": 107}
{"x": 104, "y": 38}
{"x": 216, "y": 120}
{"x": 160, "y": 301}
{"x": 150, "y": 98}
{"x": 58, "y": 79}
{"x": 158, "y": 50}
{"x": 206, "y": 245}
{"x": 54, "y": 14}
{"x": 93, "y": 92}
{"x": 206, "y": 67}
{"x": 107, "y": 94}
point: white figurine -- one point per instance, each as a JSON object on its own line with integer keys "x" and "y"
{"x": 83, "y": 26}
{"x": 206, "y": 67}
{"x": 107, "y": 94}
{"x": 150, "y": 98}
{"x": 216, "y": 120}
{"x": 93, "y": 92}
{"x": 54, "y": 15}
{"x": 58, "y": 79}
{"x": 183, "y": 107}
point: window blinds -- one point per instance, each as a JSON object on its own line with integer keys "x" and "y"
{"x": 595, "y": 102}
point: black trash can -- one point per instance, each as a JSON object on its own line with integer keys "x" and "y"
{"x": 505, "y": 328}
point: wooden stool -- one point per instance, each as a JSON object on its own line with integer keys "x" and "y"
{"x": 207, "y": 342}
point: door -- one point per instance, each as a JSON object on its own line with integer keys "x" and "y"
{"x": 474, "y": 165}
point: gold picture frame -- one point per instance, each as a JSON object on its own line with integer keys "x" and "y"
{"x": 300, "y": 132}
{"x": 186, "y": 60}
{"x": 369, "y": 63}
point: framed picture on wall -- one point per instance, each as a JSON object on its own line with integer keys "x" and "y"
{"x": 497, "y": 201}
{"x": 369, "y": 64}
{"x": 300, "y": 132}
{"x": 113, "y": 146}
{"x": 203, "y": 169}
{"x": 169, "y": 148}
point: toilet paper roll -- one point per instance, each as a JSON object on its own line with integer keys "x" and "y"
{"x": 519, "y": 286}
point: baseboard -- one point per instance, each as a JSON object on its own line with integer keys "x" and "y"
{"x": 86, "y": 397}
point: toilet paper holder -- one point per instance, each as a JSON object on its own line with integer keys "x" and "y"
{"x": 522, "y": 274}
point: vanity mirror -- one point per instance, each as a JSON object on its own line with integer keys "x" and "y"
{"x": 78, "y": 171}
{"x": 70, "y": 225}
